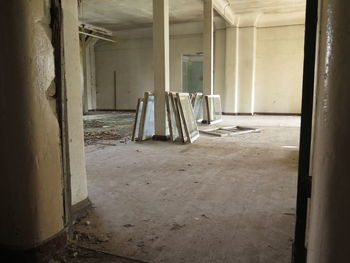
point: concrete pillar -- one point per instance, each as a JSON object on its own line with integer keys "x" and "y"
{"x": 161, "y": 63}
{"x": 246, "y": 69}
{"x": 208, "y": 48}
{"x": 230, "y": 98}
{"x": 89, "y": 72}
{"x": 83, "y": 54}
{"x": 330, "y": 200}
{"x": 31, "y": 190}
{"x": 73, "y": 84}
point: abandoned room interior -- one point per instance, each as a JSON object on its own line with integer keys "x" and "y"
{"x": 175, "y": 131}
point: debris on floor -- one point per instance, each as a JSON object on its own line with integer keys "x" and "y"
{"x": 229, "y": 131}
{"x": 184, "y": 112}
{"x": 75, "y": 253}
{"x": 177, "y": 226}
{"x": 115, "y": 126}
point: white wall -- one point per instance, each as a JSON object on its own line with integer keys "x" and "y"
{"x": 133, "y": 62}
{"x": 276, "y": 61}
{"x": 179, "y": 45}
{"x": 219, "y": 62}
{"x": 279, "y": 69}
{"x": 74, "y": 103}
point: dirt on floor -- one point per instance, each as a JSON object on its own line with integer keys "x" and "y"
{"x": 82, "y": 246}
{"x": 107, "y": 127}
{"x": 222, "y": 199}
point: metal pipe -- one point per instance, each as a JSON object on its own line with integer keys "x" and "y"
{"x": 95, "y": 36}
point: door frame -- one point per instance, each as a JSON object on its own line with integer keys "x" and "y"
{"x": 299, "y": 253}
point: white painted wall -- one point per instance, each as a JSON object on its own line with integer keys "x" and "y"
{"x": 279, "y": 69}
{"x": 277, "y": 66}
{"x": 219, "y": 62}
{"x": 74, "y": 103}
{"x": 133, "y": 62}
{"x": 179, "y": 45}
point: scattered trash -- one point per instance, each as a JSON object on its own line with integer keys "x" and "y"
{"x": 160, "y": 248}
{"x": 204, "y": 215}
{"x": 181, "y": 170}
{"x": 112, "y": 126}
{"x": 229, "y": 131}
{"x": 103, "y": 238}
{"x": 177, "y": 226}
{"x": 87, "y": 223}
{"x": 153, "y": 238}
{"x": 289, "y": 214}
{"x": 140, "y": 244}
{"x": 128, "y": 225}
{"x": 90, "y": 238}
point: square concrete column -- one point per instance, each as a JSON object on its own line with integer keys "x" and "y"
{"x": 246, "y": 69}
{"x": 161, "y": 63}
{"x": 208, "y": 48}
{"x": 230, "y": 97}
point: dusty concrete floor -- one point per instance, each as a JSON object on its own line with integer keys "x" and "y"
{"x": 227, "y": 200}
{"x": 103, "y": 127}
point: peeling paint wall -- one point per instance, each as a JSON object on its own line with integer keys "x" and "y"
{"x": 31, "y": 200}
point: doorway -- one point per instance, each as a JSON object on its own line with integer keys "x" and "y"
{"x": 140, "y": 180}
{"x": 192, "y": 73}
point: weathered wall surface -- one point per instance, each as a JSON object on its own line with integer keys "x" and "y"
{"x": 279, "y": 69}
{"x": 31, "y": 200}
{"x": 330, "y": 199}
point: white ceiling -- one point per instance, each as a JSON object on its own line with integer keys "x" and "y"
{"x": 124, "y": 14}
{"x": 267, "y": 6}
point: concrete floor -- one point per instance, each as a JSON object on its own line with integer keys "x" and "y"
{"x": 227, "y": 200}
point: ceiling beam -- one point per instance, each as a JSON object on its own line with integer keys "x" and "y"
{"x": 223, "y": 7}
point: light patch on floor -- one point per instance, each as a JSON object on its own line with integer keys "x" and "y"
{"x": 221, "y": 199}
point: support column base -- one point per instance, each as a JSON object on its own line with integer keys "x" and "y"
{"x": 39, "y": 254}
